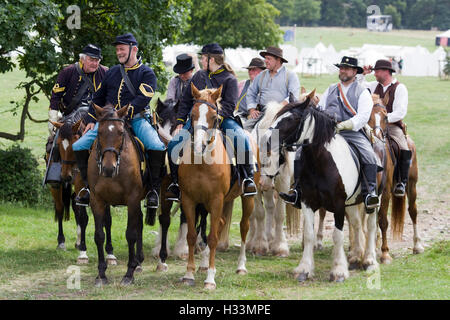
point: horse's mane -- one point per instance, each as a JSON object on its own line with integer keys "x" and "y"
{"x": 66, "y": 130}
{"x": 108, "y": 112}
{"x": 272, "y": 110}
{"x": 324, "y": 127}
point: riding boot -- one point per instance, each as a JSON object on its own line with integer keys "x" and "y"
{"x": 369, "y": 187}
{"x": 156, "y": 161}
{"x": 82, "y": 158}
{"x": 249, "y": 185}
{"x": 403, "y": 167}
{"x": 294, "y": 195}
{"x": 173, "y": 190}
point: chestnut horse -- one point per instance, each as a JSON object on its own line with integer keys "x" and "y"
{"x": 378, "y": 121}
{"x": 115, "y": 179}
{"x": 204, "y": 178}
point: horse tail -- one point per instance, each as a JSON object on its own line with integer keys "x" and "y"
{"x": 66, "y": 197}
{"x": 398, "y": 216}
{"x": 150, "y": 216}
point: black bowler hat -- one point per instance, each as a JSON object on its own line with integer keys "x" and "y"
{"x": 383, "y": 64}
{"x": 273, "y": 51}
{"x": 212, "y": 48}
{"x": 256, "y": 63}
{"x": 184, "y": 64}
{"x": 126, "y": 38}
{"x": 350, "y": 62}
{"x": 92, "y": 51}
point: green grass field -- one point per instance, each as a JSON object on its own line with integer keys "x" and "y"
{"x": 31, "y": 267}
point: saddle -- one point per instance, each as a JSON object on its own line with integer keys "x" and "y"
{"x": 140, "y": 149}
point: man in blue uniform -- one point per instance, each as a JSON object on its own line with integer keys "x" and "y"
{"x": 214, "y": 74}
{"x": 134, "y": 85}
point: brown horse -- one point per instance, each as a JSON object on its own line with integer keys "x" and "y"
{"x": 378, "y": 121}
{"x": 115, "y": 179}
{"x": 204, "y": 178}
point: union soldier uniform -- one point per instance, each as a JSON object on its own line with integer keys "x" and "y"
{"x": 115, "y": 90}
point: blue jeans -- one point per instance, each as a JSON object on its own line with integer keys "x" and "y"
{"x": 229, "y": 126}
{"x": 142, "y": 129}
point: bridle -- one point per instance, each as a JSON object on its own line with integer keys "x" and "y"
{"x": 216, "y": 122}
{"x": 101, "y": 152}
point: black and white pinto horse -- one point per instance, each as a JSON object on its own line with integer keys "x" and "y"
{"x": 329, "y": 179}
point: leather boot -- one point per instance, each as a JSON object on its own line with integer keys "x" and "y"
{"x": 369, "y": 187}
{"x": 82, "y": 158}
{"x": 155, "y": 159}
{"x": 294, "y": 195}
{"x": 403, "y": 167}
{"x": 173, "y": 190}
{"x": 249, "y": 186}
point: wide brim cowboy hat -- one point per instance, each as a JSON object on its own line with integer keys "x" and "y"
{"x": 383, "y": 64}
{"x": 256, "y": 63}
{"x": 273, "y": 51}
{"x": 184, "y": 64}
{"x": 350, "y": 62}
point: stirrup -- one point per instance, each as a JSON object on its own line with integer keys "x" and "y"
{"x": 291, "y": 202}
{"x": 403, "y": 190}
{"x": 146, "y": 205}
{"x": 245, "y": 194}
{"x": 371, "y": 205}
{"x": 174, "y": 198}
{"x": 78, "y": 198}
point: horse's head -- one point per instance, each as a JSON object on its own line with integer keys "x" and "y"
{"x": 110, "y": 138}
{"x": 205, "y": 116}
{"x": 167, "y": 118}
{"x": 69, "y": 133}
{"x": 378, "y": 118}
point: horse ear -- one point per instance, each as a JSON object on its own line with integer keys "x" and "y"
{"x": 386, "y": 99}
{"x": 76, "y": 126}
{"x": 312, "y": 94}
{"x": 98, "y": 110}
{"x": 159, "y": 106}
{"x": 216, "y": 94}
{"x": 175, "y": 107}
{"x": 195, "y": 92}
{"x": 122, "y": 112}
{"x": 56, "y": 124}
{"x": 302, "y": 90}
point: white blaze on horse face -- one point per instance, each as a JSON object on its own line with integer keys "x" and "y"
{"x": 65, "y": 144}
{"x": 199, "y": 134}
{"x": 308, "y": 130}
{"x": 111, "y": 128}
{"x": 377, "y": 124}
{"x": 343, "y": 159}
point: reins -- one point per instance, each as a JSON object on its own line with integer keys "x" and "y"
{"x": 101, "y": 153}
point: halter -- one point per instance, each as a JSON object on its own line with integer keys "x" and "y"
{"x": 216, "y": 122}
{"x": 101, "y": 153}
{"x": 384, "y": 134}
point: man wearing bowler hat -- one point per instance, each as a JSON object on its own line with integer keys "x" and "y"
{"x": 397, "y": 106}
{"x": 185, "y": 69}
{"x": 351, "y": 104}
{"x": 255, "y": 67}
{"x": 276, "y": 83}
{"x": 132, "y": 84}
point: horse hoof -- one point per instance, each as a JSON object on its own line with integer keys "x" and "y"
{"x": 189, "y": 282}
{"x": 338, "y": 279}
{"x": 100, "y": 282}
{"x": 111, "y": 261}
{"x": 386, "y": 259}
{"x": 282, "y": 254}
{"x": 77, "y": 246}
{"x": 242, "y": 272}
{"x": 354, "y": 266}
{"x": 126, "y": 281}
{"x": 61, "y": 246}
{"x": 82, "y": 260}
{"x": 202, "y": 269}
{"x": 302, "y": 277}
{"x": 162, "y": 267}
{"x": 138, "y": 269}
{"x": 209, "y": 286}
{"x": 370, "y": 266}
{"x": 318, "y": 247}
{"x": 418, "y": 250}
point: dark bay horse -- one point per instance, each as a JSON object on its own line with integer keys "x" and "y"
{"x": 378, "y": 121}
{"x": 115, "y": 179}
{"x": 205, "y": 178}
{"x": 328, "y": 179}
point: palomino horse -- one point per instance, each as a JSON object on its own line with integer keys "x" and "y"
{"x": 115, "y": 179}
{"x": 328, "y": 179}
{"x": 378, "y": 121}
{"x": 205, "y": 178}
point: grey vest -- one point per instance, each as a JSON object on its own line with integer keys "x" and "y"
{"x": 180, "y": 86}
{"x": 335, "y": 107}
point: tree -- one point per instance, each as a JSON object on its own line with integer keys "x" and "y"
{"x": 233, "y": 23}
{"x": 396, "y": 17}
{"x": 49, "y": 40}
{"x": 333, "y": 13}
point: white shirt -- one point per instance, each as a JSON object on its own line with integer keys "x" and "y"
{"x": 365, "y": 105}
{"x": 400, "y": 104}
